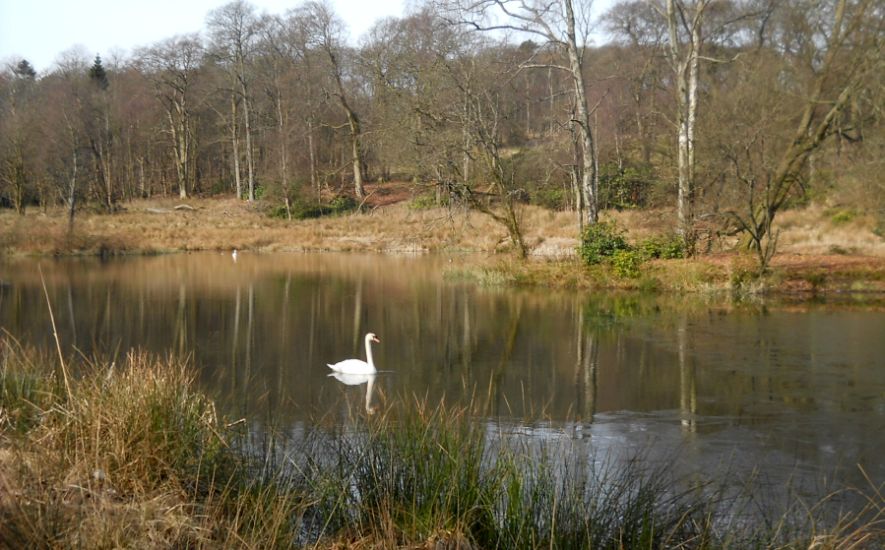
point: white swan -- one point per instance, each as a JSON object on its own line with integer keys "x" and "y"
{"x": 234, "y": 255}
{"x": 357, "y": 366}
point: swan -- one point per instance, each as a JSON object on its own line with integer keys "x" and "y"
{"x": 234, "y": 255}
{"x": 356, "y": 366}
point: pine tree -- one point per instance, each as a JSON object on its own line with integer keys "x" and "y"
{"x": 98, "y": 75}
{"x": 25, "y": 70}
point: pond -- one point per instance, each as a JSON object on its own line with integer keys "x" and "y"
{"x": 785, "y": 394}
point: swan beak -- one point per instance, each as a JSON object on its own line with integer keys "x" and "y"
{"x": 376, "y": 340}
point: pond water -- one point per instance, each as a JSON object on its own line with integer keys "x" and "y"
{"x": 787, "y": 394}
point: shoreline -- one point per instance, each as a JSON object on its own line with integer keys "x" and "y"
{"x": 155, "y": 227}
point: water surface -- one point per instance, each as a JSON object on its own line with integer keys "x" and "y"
{"x": 785, "y": 394}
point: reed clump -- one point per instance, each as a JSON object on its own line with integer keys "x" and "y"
{"x": 438, "y": 477}
{"x": 132, "y": 456}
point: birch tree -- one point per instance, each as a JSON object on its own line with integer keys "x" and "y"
{"x": 685, "y": 39}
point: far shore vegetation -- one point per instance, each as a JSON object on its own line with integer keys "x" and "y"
{"x": 103, "y": 455}
{"x": 633, "y": 249}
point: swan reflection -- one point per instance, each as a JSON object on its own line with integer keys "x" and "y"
{"x": 357, "y": 380}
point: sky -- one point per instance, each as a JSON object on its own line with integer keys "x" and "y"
{"x": 39, "y": 30}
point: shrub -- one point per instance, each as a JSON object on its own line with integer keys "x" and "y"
{"x": 600, "y": 241}
{"x": 304, "y": 210}
{"x": 342, "y": 203}
{"x": 624, "y": 187}
{"x": 626, "y": 263}
{"x": 843, "y": 217}
{"x": 425, "y": 201}
{"x": 551, "y": 198}
{"x": 665, "y": 247}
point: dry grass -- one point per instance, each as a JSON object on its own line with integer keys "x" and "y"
{"x": 819, "y": 250}
{"x": 154, "y": 226}
{"x": 134, "y": 457}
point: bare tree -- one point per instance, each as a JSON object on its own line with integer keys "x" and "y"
{"x": 684, "y": 32}
{"x": 18, "y": 137}
{"x": 63, "y": 120}
{"x": 171, "y": 66}
{"x": 233, "y": 29}
{"x": 325, "y": 31}
{"x": 563, "y": 24}
{"x": 831, "y": 55}
{"x": 278, "y": 56}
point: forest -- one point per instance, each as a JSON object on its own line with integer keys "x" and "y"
{"x": 725, "y": 111}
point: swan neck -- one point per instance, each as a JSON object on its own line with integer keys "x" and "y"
{"x": 369, "y": 351}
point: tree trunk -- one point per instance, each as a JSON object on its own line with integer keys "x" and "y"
{"x": 247, "y": 127}
{"x": 179, "y": 148}
{"x": 72, "y": 190}
{"x": 685, "y": 67}
{"x": 235, "y": 144}
{"x": 353, "y": 122}
{"x": 311, "y": 151}
{"x": 356, "y": 155}
{"x": 589, "y": 179}
{"x": 284, "y": 151}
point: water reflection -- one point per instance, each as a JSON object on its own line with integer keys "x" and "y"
{"x": 359, "y": 380}
{"x": 783, "y": 389}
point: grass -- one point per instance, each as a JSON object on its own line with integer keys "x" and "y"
{"x": 135, "y": 456}
{"x": 809, "y": 243}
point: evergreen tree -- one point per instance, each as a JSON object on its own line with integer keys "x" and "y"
{"x": 25, "y": 70}
{"x": 98, "y": 75}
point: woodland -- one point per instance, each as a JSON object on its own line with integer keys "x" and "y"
{"x": 726, "y": 111}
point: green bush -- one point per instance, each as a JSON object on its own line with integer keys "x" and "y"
{"x": 665, "y": 247}
{"x": 425, "y": 201}
{"x": 843, "y": 216}
{"x": 342, "y": 203}
{"x": 304, "y": 210}
{"x": 551, "y": 198}
{"x": 627, "y": 263}
{"x": 600, "y": 241}
{"x": 624, "y": 187}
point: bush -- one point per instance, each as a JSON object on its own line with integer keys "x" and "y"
{"x": 425, "y": 201}
{"x": 600, "y": 241}
{"x": 342, "y": 203}
{"x": 304, "y": 210}
{"x": 624, "y": 187}
{"x": 843, "y": 216}
{"x": 626, "y": 263}
{"x": 551, "y": 198}
{"x": 665, "y": 247}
